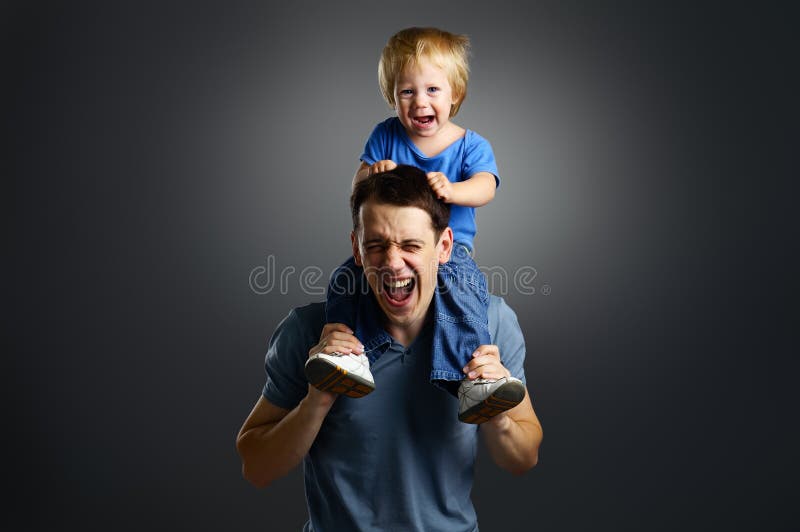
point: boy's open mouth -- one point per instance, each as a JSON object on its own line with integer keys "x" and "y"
{"x": 423, "y": 120}
{"x": 397, "y": 291}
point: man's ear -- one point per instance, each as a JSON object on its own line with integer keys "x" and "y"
{"x": 445, "y": 245}
{"x": 356, "y": 251}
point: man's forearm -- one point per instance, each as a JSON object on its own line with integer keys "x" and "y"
{"x": 513, "y": 438}
{"x": 271, "y": 450}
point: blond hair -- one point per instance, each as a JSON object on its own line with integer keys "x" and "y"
{"x": 412, "y": 46}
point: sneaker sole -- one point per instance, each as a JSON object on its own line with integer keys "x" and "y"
{"x": 329, "y": 377}
{"x": 504, "y": 398}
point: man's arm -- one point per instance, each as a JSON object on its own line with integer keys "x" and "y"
{"x": 274, "y": 440}
{"x": 512, "y": 437}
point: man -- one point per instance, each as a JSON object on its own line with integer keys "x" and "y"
{"x": 394, "y": 458}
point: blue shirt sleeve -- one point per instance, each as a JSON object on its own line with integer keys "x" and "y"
{"x": 479, "y": 157}
{"x": 286, "y": 383}
{"x": 376, "y": 147}
{"x": 507, "y": 335}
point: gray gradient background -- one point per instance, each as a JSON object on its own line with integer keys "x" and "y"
{"x": 161, "y": 152}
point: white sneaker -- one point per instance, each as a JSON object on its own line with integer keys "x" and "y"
{"x": 482, "y": 399}
{"x": 339, "y": 373}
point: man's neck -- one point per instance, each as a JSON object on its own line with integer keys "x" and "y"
{"x": 405, "y": 335}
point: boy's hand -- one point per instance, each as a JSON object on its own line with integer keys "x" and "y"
{"x": 382, "y": 166}
{"x": 441, "y": 186}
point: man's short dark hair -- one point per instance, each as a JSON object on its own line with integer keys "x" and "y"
{"x": 405, "y": 186}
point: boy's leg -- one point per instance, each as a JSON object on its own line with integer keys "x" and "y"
{"x": 339, "y": 373}
{"x": 462, "y": 324}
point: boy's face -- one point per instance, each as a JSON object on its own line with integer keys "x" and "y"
{"x": 423, "y": 99}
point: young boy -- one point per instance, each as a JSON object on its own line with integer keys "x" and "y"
{"x": 423, "y": 76}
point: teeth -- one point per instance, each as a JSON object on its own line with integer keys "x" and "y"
{"x": 399, "y": 284}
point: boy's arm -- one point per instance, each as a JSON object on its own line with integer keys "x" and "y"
{"x": 476, "y": 191}
{"x": 361, "y": 173}
{"x": 364, "y": 170}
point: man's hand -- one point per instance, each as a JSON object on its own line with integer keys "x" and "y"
{"x": 441, "y": 186}
{"x": 335, "y": 338}
{"x": 513, "y": 437}
{"x": 486, "y": 364}
{"x": 382, "y": 166}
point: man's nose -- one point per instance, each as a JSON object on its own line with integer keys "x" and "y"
{"x": 394, "y": 258}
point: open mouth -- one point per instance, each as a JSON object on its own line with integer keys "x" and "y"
{"x": 423, "y": 121}
{"x": 397, "y": 291}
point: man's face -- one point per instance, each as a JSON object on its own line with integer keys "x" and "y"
{"x": 400, "y": 256}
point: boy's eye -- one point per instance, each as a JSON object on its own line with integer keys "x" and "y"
{"x": 434, "y": 89}
{"x": 406, "y": 92}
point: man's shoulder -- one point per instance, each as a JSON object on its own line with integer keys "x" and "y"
{"x": 310, "y": 311}
{"x": 306, "y": 319}
{"x": 498, "y": 306}
{"x": 507, "y": 335}
{"x": 502, "y": 318}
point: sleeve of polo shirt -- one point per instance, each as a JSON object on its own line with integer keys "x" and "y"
{"x": 288, "y": 351}
{"x": 507, "y": 336}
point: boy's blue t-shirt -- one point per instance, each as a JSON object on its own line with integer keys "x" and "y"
{"x": 459, "y": 161}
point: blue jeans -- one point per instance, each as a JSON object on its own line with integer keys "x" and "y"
{"x": 460, "y": 306}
